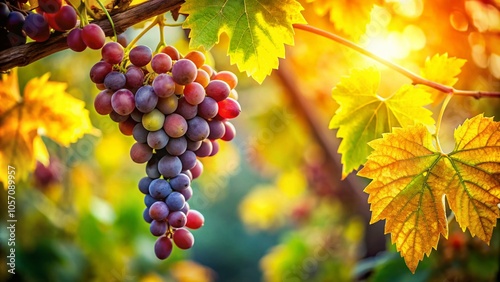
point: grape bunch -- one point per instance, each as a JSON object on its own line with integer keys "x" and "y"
{"x": 177, "y": 109}
{"x": 18, "y": 21}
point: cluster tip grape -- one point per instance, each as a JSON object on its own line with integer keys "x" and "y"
{"x": 177, "y": 109}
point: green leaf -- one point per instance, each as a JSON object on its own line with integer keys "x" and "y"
{"x": 363, "y": 115}
{"x": 257, "y": 30}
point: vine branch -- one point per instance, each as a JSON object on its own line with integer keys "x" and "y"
{"x": 416, "y": 79}
{"x": 28, "y": 53}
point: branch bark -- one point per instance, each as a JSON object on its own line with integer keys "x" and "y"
{"x": 31, "y": 52}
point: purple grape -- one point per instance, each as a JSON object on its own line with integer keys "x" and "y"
{"x": 145, "y": 99}
{"x": 175, "y": 125}
{"x": 158, "y": 228}
{"x": 144, "y": 184}
{"x": 167, "y": 105}
{"x": 4, "y": 13}
{"x": 230, "y": 131}
{"x": 140, "y": 153}
{"x": 185, "y": 109}
{"x": 140, "y": 134}
{"x": 177, "y": 219}
{"x": 159, "y": 211}
{"x": 36, "y": 27}
{"x": 169, "y": 166}
{"x": 145, "y": 216}
{"x": 157, "y": 139}
{"x": 93, "y": 36}
{"x": 164, "y": 85}
{"x": 205, "y": 149}
{"x": 215, "y": 148}
{"x": 50, "y": 6}
{"x": 159, "y": 189}
{"x": 194, "y": 93}
{"x": 66, "y": 18}
{"x": 217, "y": 129}
{"x": 183, "y": 238}
{"x": 140, "y": 55}
{"x": 184, "y": 71}
{"x": 15, "y": 22}
{"x": 112, "y": 52}
{"x": 176, "y": 146}
{"x": 208, "y": 108}
{"x": 123, "y": 102}
{"x": 198, "y": 129}
{"x": 116, "y": 117}
{"x": 180, "y": 182}
{"x": 75, "y": 43}
{"x": 152, "y": 168}
{"x": 193, "y": 145}
{"x": 149, "y": 201}
{"x": 185, "y": 208}
{"x": 115, "y": 80}
{"x": 218, "y": 90}
{"x": 135, "y": 77}
{"x": 188, "y": 160}
{"x": 163, "y": 247}
{"x": 161, "y": 63}
{"x": 175, "y": 201}
{"x": 102, "y": 102}
{"x": 187, "y": 193}
{"x": 99, "y": 70}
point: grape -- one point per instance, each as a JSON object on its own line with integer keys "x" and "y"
{"x": 153, "y": 120}
{"x": 183, "y": 238}
{"x": 164, "y": 85}
{"x": 205, "y": 149}
{"x": 218, "y": 90}
{"x": 122, "y": 39}
{"x": 66, "y": 18}
{"x": 75, "y": 43}
{"x": 4, "y": 13}
{"x": 188, "y": 160}
{"x": 149, "y": 201}
{"x": 112, "y": 52}
{"x": 159, "y": 210}
{"x": 36, "y": 27}
{"x": 195, "y": 219}
{"x": 215, "y": 148}
{"x": 100, "y": 70}
{"x": 140, "y": 134}
{"x": 152, "y": 168}
{"x": 217, "y": 129}
{"x": 145, "y": 215}
{"x": 161, "y": 63}
{"x": 172, "y": 52}
{"x": 102, "y": 102}
{"x": 127, "y": 127}
{"x": 144, "y": 184}
{"x": 140, "y": 55}
{"x": 158, "y": 228}
{"x": 194, "y": 93}
{"x": 175, "y": 201}
{"x": 185, "y": 208}
{"x": 197, "y": 57}
{"x": 50, "y": 6}
{"x": 15, "y": 22}
{"x": 177, "y": 146}
{"x": 175, "y": 125}
{"x": 16, "y": 39}
{"x": 93, "y": 36}
{"x": 117, "y": 117}
{"x": 157, "y": 139}
{"x": 228, "y": 77}
{"x": 208, "y": 69}
{"x": 167, "y": 105}
{"x": 123, "y": 102}
{"x": 187, "y": 193}
{"x": 136, "y": 115}
{"x": 185, "y": 109}
{"x": 198, "y": 129}
{"x": 202, "y": 78}
{"x": 135, "y": 77}
{"x": 230, "y": 131}
{"x": 115, "y": 80}
{"x": 140, "y": 153}
{"x": 229, "y": 108}
{"x": 177, "y": 219}
{"x": 146, "y": 99}
{"x": 180, "y": 182}
{"x": 163, "y": 247}
{"x": 169, "y": 166}
{"x": 193, "y": 145}
{"x": 197, "y": 170}
{"x": 184, "y": 71}
{"x": 159, "y": 189}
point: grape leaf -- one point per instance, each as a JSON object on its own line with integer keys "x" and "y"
{"x": 411, "y": 179}
{"x": 441, "y": 69}
{"x": 363, "y": 115}
{"x": 257, "y": 30}
{"x": 348, "y": 16}
{"x": 44, "y": 109}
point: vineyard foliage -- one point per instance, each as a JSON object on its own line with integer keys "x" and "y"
{"x": 395, "y": 132}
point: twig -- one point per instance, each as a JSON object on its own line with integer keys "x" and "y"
{"x": 31, "y": 52}
{"x": 416, "y": 79}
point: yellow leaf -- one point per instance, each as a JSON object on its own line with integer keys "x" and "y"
{"x": 441, "y": 69}
{"x": 363, "y": 115}
{"x": 44, "y": 110}
{"x": 190, "y": 271}
{"x": 349, "y": 16}
{"x": 411, "y": 179}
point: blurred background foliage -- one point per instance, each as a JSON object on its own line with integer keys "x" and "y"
{"x": 274, "y": 205}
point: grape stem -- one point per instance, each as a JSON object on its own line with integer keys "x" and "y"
{"x": 109, "y": 18}
{"x": 143, "y": 32}
{"x": 416, "y": 79}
